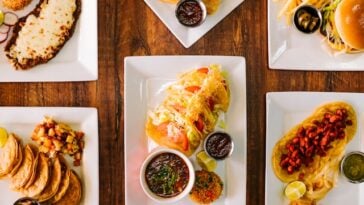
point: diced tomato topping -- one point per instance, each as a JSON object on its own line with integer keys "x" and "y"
{"x": 193, "y": 88}
{"x": 162, "y": 128}
{"x": 184, "y": 141}
{"x": 179, "y": 136}
{"x": 203, "y": 70}
{"x": 199, "y": 124}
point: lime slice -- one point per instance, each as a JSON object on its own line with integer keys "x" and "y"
{"x": 295, "y": 190}
{"x": 3, "y": 137}
{"x": 206, "y": 162}
{"x": 2, "y": 17}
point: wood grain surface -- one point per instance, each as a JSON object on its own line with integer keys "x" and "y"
{"x": 130, "y": 28}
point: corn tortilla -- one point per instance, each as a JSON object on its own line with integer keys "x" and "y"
{"x": 319, "y": 113}
{"x": 24, "y": 173}
{"x": 54, "y": 182}
{"x": 74, "y": 191}
{"x": 8, "y": 156}
{"x": 41, "y": 179}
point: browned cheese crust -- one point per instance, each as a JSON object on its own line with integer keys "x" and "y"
{"x": 17, "y": 28}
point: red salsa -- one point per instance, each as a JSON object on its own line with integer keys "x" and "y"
{"x": 167, "y": 175}
{"x": 219, "y": 145}
{"x": 190, "y": 13}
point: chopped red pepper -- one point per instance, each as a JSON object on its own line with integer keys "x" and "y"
{"x": 203, "y": 70}
{"x": 193, "y": 88}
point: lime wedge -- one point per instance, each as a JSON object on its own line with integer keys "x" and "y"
{"x": 295, "y": 190}
{"x": 3, "y": 137}
{"x": 2, "y": 17}
{"x": 206, "y": 162}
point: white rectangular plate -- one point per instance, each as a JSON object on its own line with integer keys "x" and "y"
{"x": 187, "y": 35}
{"x": 22, "y": 121}
{"x": 76, "y": 61}
{"x": 145, "y": 81}
{"x": 290, "y": 49}
{"x": 287, "y": 109}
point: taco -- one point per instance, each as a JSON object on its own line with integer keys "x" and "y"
{"x": 312, "y": 150}
{"x": 190, "y": 110}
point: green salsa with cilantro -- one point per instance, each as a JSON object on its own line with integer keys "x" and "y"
{"x": 353, "y": 167}
{"x": 167, "y": 175}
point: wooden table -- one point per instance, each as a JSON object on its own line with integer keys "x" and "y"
{"x": 130, "y": 28}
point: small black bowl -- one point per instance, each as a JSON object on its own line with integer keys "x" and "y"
{"x": 191, "y": 13}
{"x": 307, "y": 19}
{"x": 26, "y": 201}
{"x": 219, "y": 145}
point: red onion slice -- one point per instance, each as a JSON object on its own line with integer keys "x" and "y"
{"x": 4, "y": 29}
{"x": 10, "y": 18}
{"x": 3, "y": 37}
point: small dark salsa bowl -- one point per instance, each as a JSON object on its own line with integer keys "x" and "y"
{"x": 191, "y": 13}
{"x": 167, "y": 175}
{"x": 219, "y": 145}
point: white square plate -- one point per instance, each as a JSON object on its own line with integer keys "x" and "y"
{"x": 290, "y": 49}
{"x": 76, "y": 61}
{"x": 186, "y": 35}
{"x": 22, "y": 121}
{"x": 287, "y": 109}
{"x": 145, "y": 81}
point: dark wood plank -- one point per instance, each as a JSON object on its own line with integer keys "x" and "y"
{"x": 129, "y": 27}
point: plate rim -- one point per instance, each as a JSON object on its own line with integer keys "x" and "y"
{"x": 296, "y": 66}
{"x": 269, "y": 97}
{"x": 91, "y": 114}
{"x": 89, "y": 70}
{"x": 241, "y": 59}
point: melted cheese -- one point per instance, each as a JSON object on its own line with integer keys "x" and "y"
{"x": 41, "y": 36}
